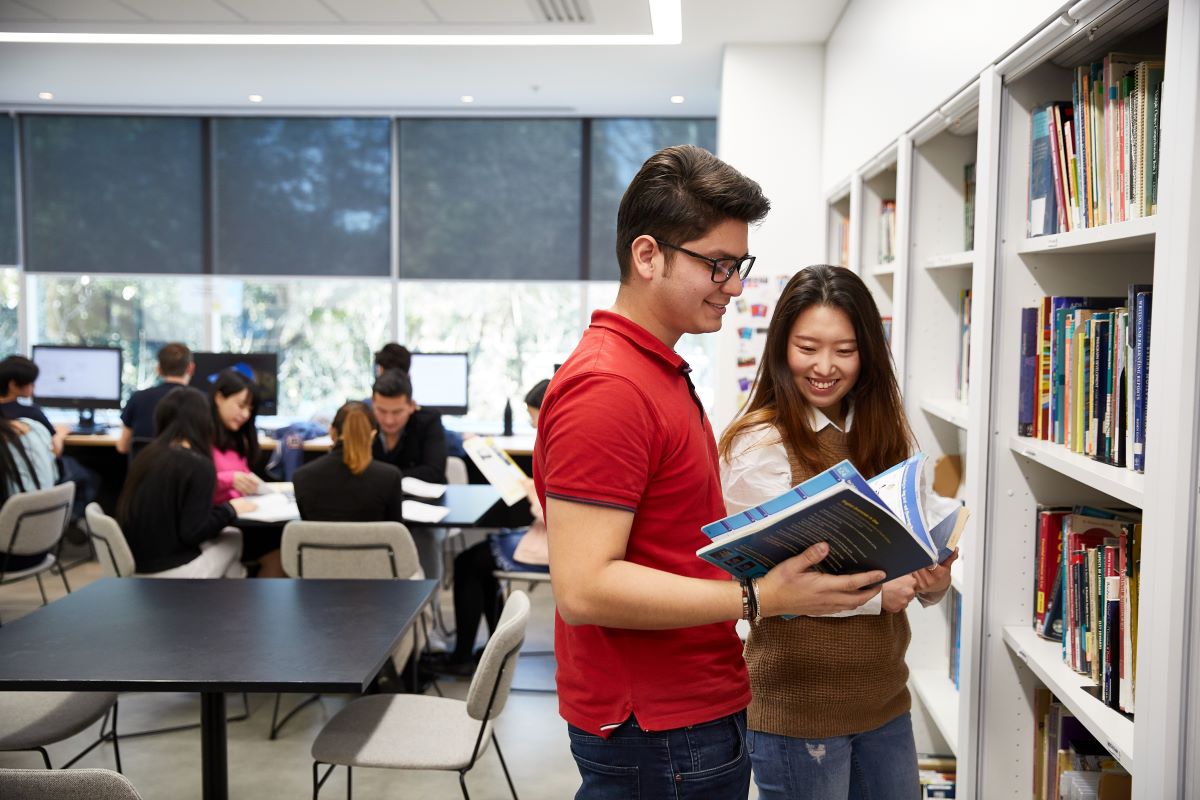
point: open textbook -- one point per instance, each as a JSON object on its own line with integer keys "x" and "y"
{"x": 889, "y": 523}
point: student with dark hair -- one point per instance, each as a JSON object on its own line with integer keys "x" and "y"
{"x": 166, "y": 509}
{"x": 410, "y": 437}
{"x": 476, "y": 590}
{"x": 234, "y": 408}
{"x": 650, "y": 673}
{"x": 175, "y": 368}
{"x": 392, "y": 356}
{"x": 26, "y": 465}
{"x": 347, "y": 484}
{"x": 825, "y": 392}
{"x": 18, "y": 376}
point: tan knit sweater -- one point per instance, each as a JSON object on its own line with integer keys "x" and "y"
{"x": 815, "y": 677}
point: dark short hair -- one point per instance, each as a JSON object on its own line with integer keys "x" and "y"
{"x": 393, "y": 356}
{"x": 19, "y": 370}
{"x": 680, "y": 194}
{"x": 393, "y": 383}
{"x": 174, "y": 359}
{"x": 534, "y": 397}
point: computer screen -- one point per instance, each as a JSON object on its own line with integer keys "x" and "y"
{"x": 439, "y": 381}
{"x": 262, "y": 368}
{"x": 78, "y": 377}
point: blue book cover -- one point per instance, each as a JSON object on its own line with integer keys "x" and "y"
{"x": 1043, "y": 207}
{"x": 862, "y": 536}
{"x": 1141, "y": 377}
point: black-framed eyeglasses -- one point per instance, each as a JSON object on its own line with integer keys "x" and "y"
{"x": 722, "y": 268}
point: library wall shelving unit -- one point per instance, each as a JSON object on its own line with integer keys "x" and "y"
{"x": 838, "y": 234}
{"x": 990, "y": 723}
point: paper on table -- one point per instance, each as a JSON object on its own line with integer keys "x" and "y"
{"x": 269, "y": 487}
{"x": 272, "y": 507}
{"x": 419, "y": 488}
{"x": 422, "y": 512}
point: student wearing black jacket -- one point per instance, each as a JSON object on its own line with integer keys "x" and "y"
{"x": 410, "y": 437}
{"x": 347, "y": 484}
{"x": 166, "y": 509}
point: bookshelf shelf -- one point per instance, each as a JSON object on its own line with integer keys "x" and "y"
{"x": 1131, "y": 236}
{"x": 887, "y": 269}
{"x": 966, "y": 258}
{"x": 1113, "y": 729}
{"x": 952, "y": 411}
{"x": 940, "y": 699}
{"x": 1123, "y": 484}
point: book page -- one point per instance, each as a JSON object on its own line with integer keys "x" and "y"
{"x": 498, "y": 467}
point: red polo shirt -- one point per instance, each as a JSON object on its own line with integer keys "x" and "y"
{"x": 620, "y": 426}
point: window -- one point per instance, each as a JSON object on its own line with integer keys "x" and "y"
{"x": 303, "y": 196}
{"x": 324, "y": 331}
{"x": 490, "y": 199}
{"x": 139, "y": 315}
{"x": 514, "y": 334}
{"x": 114, "y": 194}
{"x": 10, "y": 296}
{"x": 8, "y": 191}
{"x": 619, "y": 147}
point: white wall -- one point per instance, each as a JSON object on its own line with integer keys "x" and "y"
{"x": 769, "y": 128}
{"x": 888, "y": 64}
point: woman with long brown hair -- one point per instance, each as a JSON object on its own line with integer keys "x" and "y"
{"x": 829, "y": 718}
{"x": 347, "y": 484}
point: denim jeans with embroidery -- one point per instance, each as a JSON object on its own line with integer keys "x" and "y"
{"x": 701, "y": 762}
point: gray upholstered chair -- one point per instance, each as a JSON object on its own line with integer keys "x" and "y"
{"x": 423, "y": 732}
{"x": 33, "y": 523}
{"x": 32, "y": 720}
{"x": 112, "y": 550}
{"x": 351, "y": 550}
{"x": 75, "y": 784}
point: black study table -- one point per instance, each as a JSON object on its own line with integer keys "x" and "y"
{"x": 212, "y": 637}
{"x": 477, "y": 505}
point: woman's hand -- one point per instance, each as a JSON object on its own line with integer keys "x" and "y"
{"x": 246, "y": 483}
{"x": 242, "y": 506}
{"x": 933, "y": 582}
{"x": 898, "y": 593}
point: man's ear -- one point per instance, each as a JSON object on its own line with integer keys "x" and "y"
{"x": 643, "y": 252}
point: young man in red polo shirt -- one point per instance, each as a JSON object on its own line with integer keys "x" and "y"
{"x": 650, "y": 674}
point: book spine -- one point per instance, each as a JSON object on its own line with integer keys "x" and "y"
{"x": 1141, "y": 376}
{"x": 1027, "y": 394}
{"x": 1042, "y": 210}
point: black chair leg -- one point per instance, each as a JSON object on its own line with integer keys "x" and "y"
{"x": 318, "y": 782}
{"x": 277, "y": 726}
{"x": 116, "y": 740}
{"x": 462, "y": 784}
{"x": 349, "y": 774}
{"x": 42, "y": 589}
{"x": 504, "y": 766}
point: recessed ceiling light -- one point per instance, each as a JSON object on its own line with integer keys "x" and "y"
{"x": 255, "y": 98}
{"x": 676, "y": 99}
{"x": 45, "y": 95}
{"x": 468, "y": 98}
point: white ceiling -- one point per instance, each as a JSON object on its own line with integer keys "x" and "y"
{"x": 403, "y": 79}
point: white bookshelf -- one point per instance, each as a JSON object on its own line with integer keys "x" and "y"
{"x": 886, "y": 269}
{"x": 838, "y": 220}
{"x": 1006, "y": 476}
{"x": 1044, "y": 658}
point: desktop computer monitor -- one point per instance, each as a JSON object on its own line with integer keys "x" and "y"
{"x": 440, "y": 381}
{"x": 85, "y": 378}
{"x": 261, "y": 368}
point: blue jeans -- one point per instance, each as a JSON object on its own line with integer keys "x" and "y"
{"x": 706, "y": 761}
{"x": 876, "y": 765}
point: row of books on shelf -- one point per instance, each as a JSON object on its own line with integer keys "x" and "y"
{"x": 963, "y": 361}
{"x": 887, "y": 231}
{"x": 1085, "y": 368}
{"x": 938, "y": 777}
{"x": 1088, "y": 568}
{"x": 1069, "y": 762}
{"x": 969, "y": 207}
{"x": 954, "y": 603}
{"x": 1094, "y": 159}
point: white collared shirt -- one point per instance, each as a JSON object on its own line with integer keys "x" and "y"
{"x": 758, "y": 469}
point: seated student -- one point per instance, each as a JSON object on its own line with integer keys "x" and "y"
{"x": 392, "y": 356}
{"x": 476, "y": 590}
{"x": 18, "y": 376}
{"x": 26, "y": 465}
{"x": 166, "y": 509}
{"x": 175, "y": 367}
{"x": 347, "y": 484}
{"x": 234, "y": 407}
{"x": 410, "y": 437}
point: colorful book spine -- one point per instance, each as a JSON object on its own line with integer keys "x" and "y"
{"x": 1026, "y": 402}
{"x": 1141, "y": 377}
